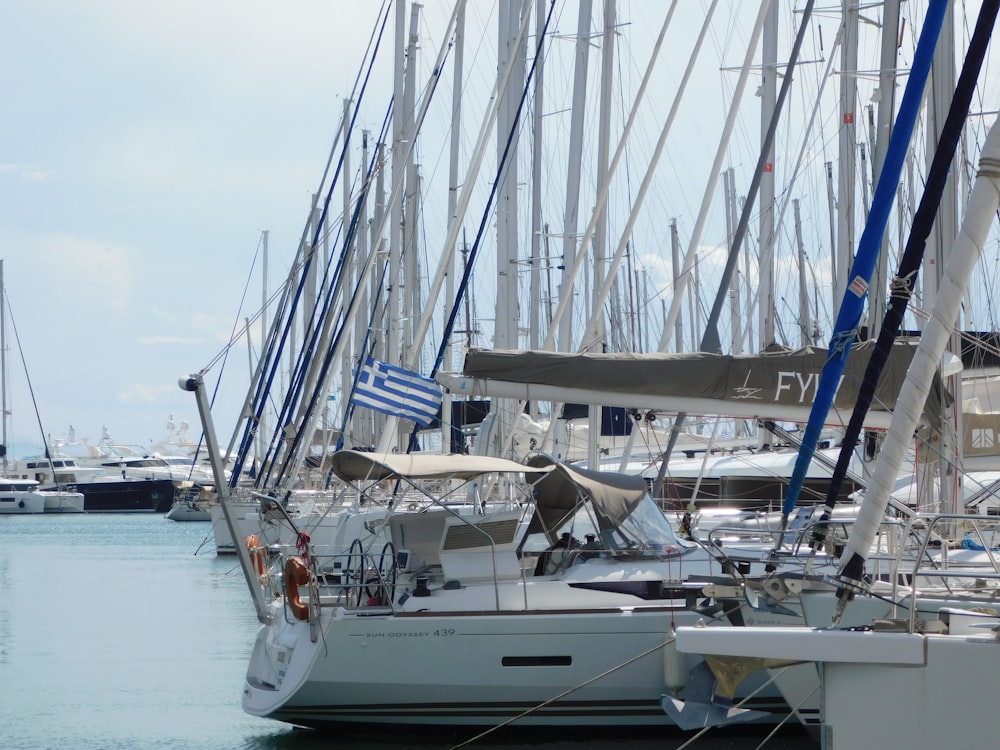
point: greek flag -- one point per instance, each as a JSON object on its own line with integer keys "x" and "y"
{"x": 398, "y": 392}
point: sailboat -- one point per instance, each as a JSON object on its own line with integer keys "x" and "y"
{"x": 22, "y": 494}
{"x": 557, "y": 612}
{"x": 930, "y": 639}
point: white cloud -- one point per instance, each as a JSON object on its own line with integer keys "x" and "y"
{"x": 26, "y": 171}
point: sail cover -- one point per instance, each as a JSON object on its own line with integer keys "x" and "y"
{"x": 778, "y": 383}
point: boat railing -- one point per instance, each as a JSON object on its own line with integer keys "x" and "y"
{"x": 895, "y": 541}
{"x": 357, "y": 578}
{"x": 831, "y": 534}
{"x": 958, "y": 553}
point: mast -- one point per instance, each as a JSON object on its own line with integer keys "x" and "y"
{"x": 805, "y": 326}
{"x": 359, "y": 436}
{"x": 262, "y": 425}
{"x": 399, "y": 140}
{"x": 595, "y": 336}
{"x": 844, "y": 249}
{"x": 735, "y": 307}
{"x": 534, "y": 278}
{"x": 352, "y": 276}
{"x": 453, "y": 162}
{"x": 571, "y": 210}
{"x": 768, "y": 99}
{"x": 675, "y": 269}
{"x": 408, "y": 283}
{"x": 596, "y": 330}
{"x": 479, "y": 152}
{"x": 885, "y": 95}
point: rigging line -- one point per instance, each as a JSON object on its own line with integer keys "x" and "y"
{"x": 31, "y": 390}
{"x": 277, "y": 341}
{"x": 351, "y": 309}
{"x": 373, "y": 40}
{"x": 332, "y": 286}
{"x": 233, "y": 337}
{"x": 321, "y": 221}
{"x": 368, "y": 348}
{"x": 788, "y": 717}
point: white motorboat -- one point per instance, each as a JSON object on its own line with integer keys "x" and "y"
{"x": 20, "y": 496}
{"x": 24, "y": 496}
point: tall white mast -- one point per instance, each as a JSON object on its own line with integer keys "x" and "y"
{"x": 571, "y": 210}
{"x": 844, "y": 252}
{"x": 768, "y": 100}
{"x": 408, "y": 283}
{"x": 350, "y": 274}
{"x": 535, "y": 274}
{"x": 512, "y": 50}
{"x": 886, "y": 113}
{"x": 453, "y": 163}
{"x": 595, "y": 334}
{"x": 393, "y": 335}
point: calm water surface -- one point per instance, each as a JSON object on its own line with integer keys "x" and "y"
{"x": 127, "y": 631}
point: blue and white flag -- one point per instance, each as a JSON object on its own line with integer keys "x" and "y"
{"x": 398, "y": 392}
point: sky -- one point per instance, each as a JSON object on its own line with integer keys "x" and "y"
{"x": 145, "y": 146}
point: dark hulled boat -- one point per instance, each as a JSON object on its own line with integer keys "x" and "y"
{"x": 102, "y": 490}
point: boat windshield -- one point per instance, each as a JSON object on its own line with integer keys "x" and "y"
{"x": 644, "y": 531}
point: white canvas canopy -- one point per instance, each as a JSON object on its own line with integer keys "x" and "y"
{"x": 353, "y": 466}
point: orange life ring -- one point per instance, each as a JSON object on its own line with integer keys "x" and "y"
{"x": 258, "y": 557}
{"x": 296, "y": 574}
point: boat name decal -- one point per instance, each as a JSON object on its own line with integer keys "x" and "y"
{"x": 440, "y": 633}
{"x": 806, "y": 386}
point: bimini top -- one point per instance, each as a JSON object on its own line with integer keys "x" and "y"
{"x": 352, "y": 466}
{"x": 560, "y": 491}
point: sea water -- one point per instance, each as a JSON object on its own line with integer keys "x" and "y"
{"x": 127, "y": 631}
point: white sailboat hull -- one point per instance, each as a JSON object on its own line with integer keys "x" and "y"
{"x": 472, "y": 669}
